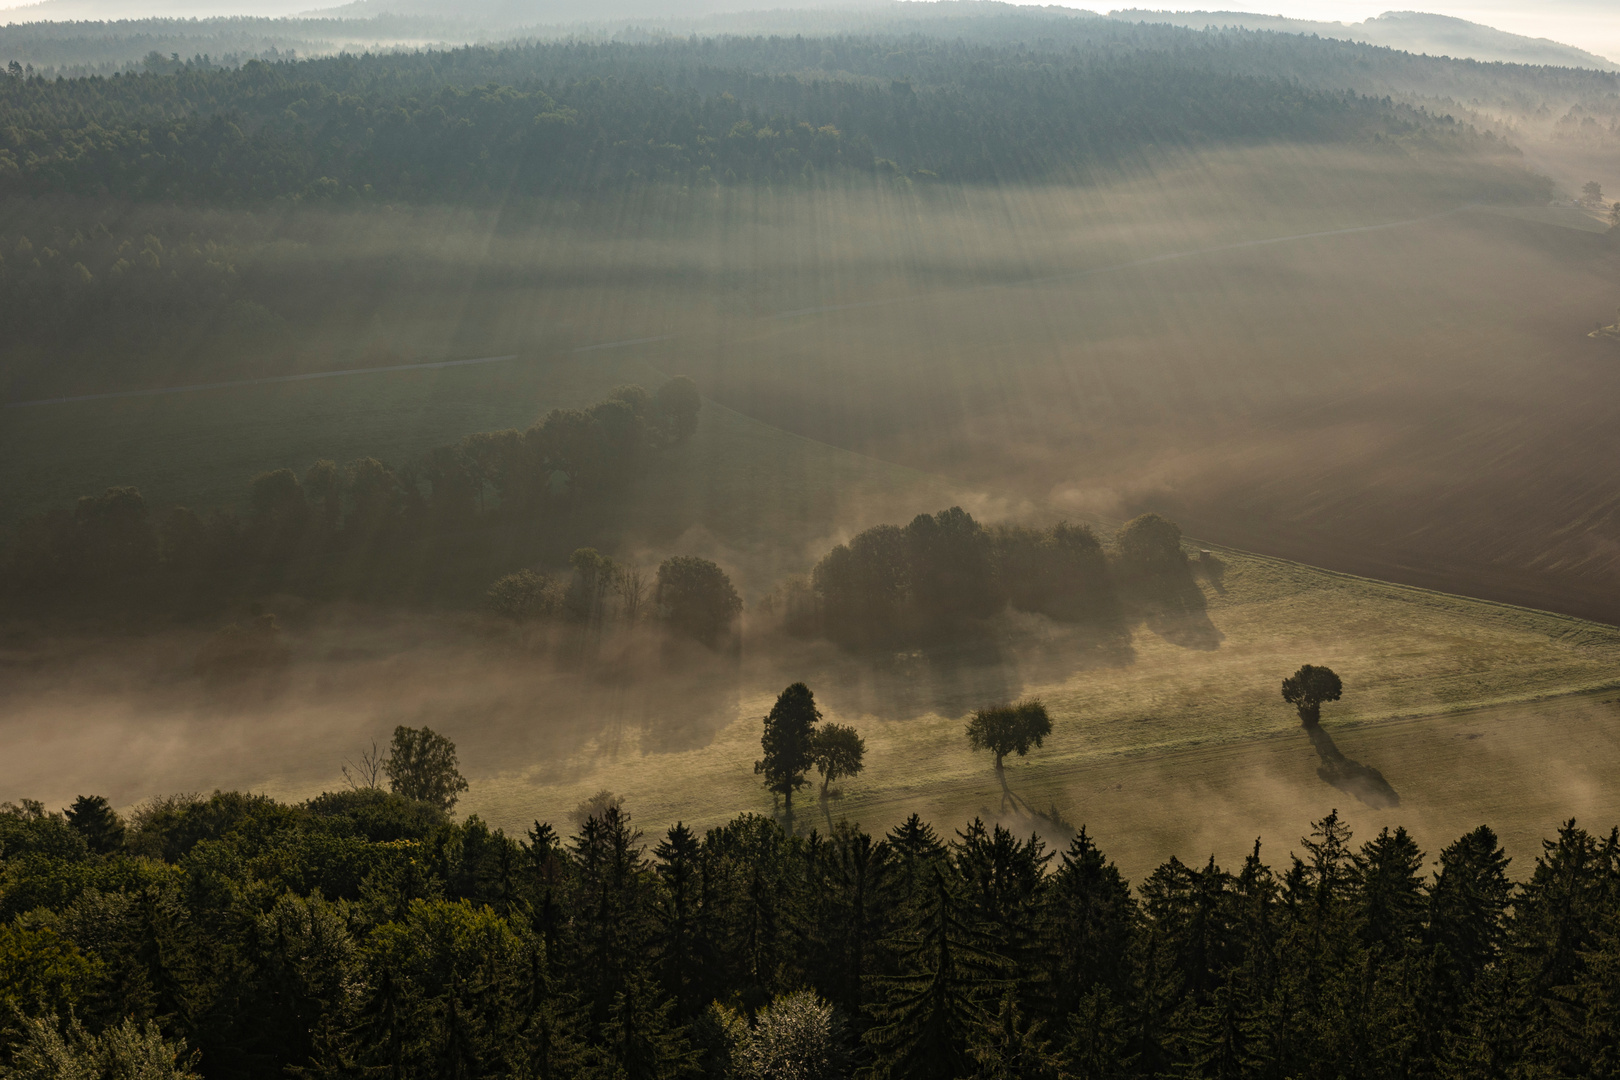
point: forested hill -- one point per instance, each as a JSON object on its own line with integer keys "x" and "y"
{"x": 541, "y": 117}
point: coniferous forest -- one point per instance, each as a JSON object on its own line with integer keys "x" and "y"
{"x": 366, "y": 933}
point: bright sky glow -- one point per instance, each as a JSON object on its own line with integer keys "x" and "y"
{"x": 1593, "y": 25}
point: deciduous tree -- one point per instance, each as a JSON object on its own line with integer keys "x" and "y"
{"x": 697, "y": 597}
{"x": 1306, "y": 690}
{"x": 1009, "y": 729}
{"x": 837, "y": 751}
{"x": 422, "y": 765}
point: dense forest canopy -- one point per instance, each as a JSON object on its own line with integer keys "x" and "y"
{"x": 534, "y": 118}
{"x": 364, "y": 933}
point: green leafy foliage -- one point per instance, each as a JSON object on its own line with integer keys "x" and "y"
{"x": 944, "y": 570}
{"x": 697, "y": 598}
{"x": 422, "y": 766}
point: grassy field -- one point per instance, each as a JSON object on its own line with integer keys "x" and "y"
{"x": 1173, "y": 743}
{"x": 1188, "y": 708}
{"x": 1399, "y": 399}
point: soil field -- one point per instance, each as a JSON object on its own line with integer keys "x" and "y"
{"x": 1419, "y": 403}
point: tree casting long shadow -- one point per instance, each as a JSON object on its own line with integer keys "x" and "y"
{"x": 1350, "y": 776}
{"x": 1307, "y": 690}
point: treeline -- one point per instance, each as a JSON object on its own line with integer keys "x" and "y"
{"x": 305, "y": 533}
{"x": 95, "y": 47}
{"x": 365, "y": 934}
{"x": 64, "y": 284}
{"x": 482, "y": 122}
{"x": 943, "y": 571}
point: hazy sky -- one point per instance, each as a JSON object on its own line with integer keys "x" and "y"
{"x": 1593, "y": 25}
{"x": 1588, "y": 24}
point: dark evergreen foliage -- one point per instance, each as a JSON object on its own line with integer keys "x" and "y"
{"x": 484, "y": 122}
{"x": 363, "y": 934}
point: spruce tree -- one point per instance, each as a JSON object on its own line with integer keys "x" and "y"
{"x": 93, "y": 818}
{"x": 923, "y": 1015}
{"x": 679, "y": 872}
{"x": 641, "y": 1039}
{"x": 1089, "y": 912}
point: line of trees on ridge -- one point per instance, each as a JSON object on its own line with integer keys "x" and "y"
{"x": 304, "y": 530}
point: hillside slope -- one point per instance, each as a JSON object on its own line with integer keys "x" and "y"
{"x": 1409, "y": 31}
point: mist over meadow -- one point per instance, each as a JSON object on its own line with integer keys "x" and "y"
{"x": 856, "y": 540}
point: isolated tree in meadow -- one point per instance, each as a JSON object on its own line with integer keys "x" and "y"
{"x": 1592, "y": 191}
{"x": 838, "y": 751}
{"x": 789, "y": 744}
{"x": 1009, "y": 729}
{"x": 422, "y": 765}
{"x": 1306, "y": 690}
{"x": 93, "y": 818}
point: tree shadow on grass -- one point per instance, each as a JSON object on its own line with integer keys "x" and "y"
{"x": 1350, "y": 776}
{"x": 1211, "y": 569}
{"x": 1170, "y": 603}
{"x": 952, "y": 677}
{"x": 1020, "y": 815}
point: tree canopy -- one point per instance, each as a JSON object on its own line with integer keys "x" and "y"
{"x": 789, "y": 743}
{"x": 1307, "y": 688}
{"x": 697, "y": 597}
{"x": 837, "y": 750}
{"x": 487, "y": 123}
{"x": 1009, "y": 729}
{"x": 422, "y": 765}
{"x": 237, "y": 936}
